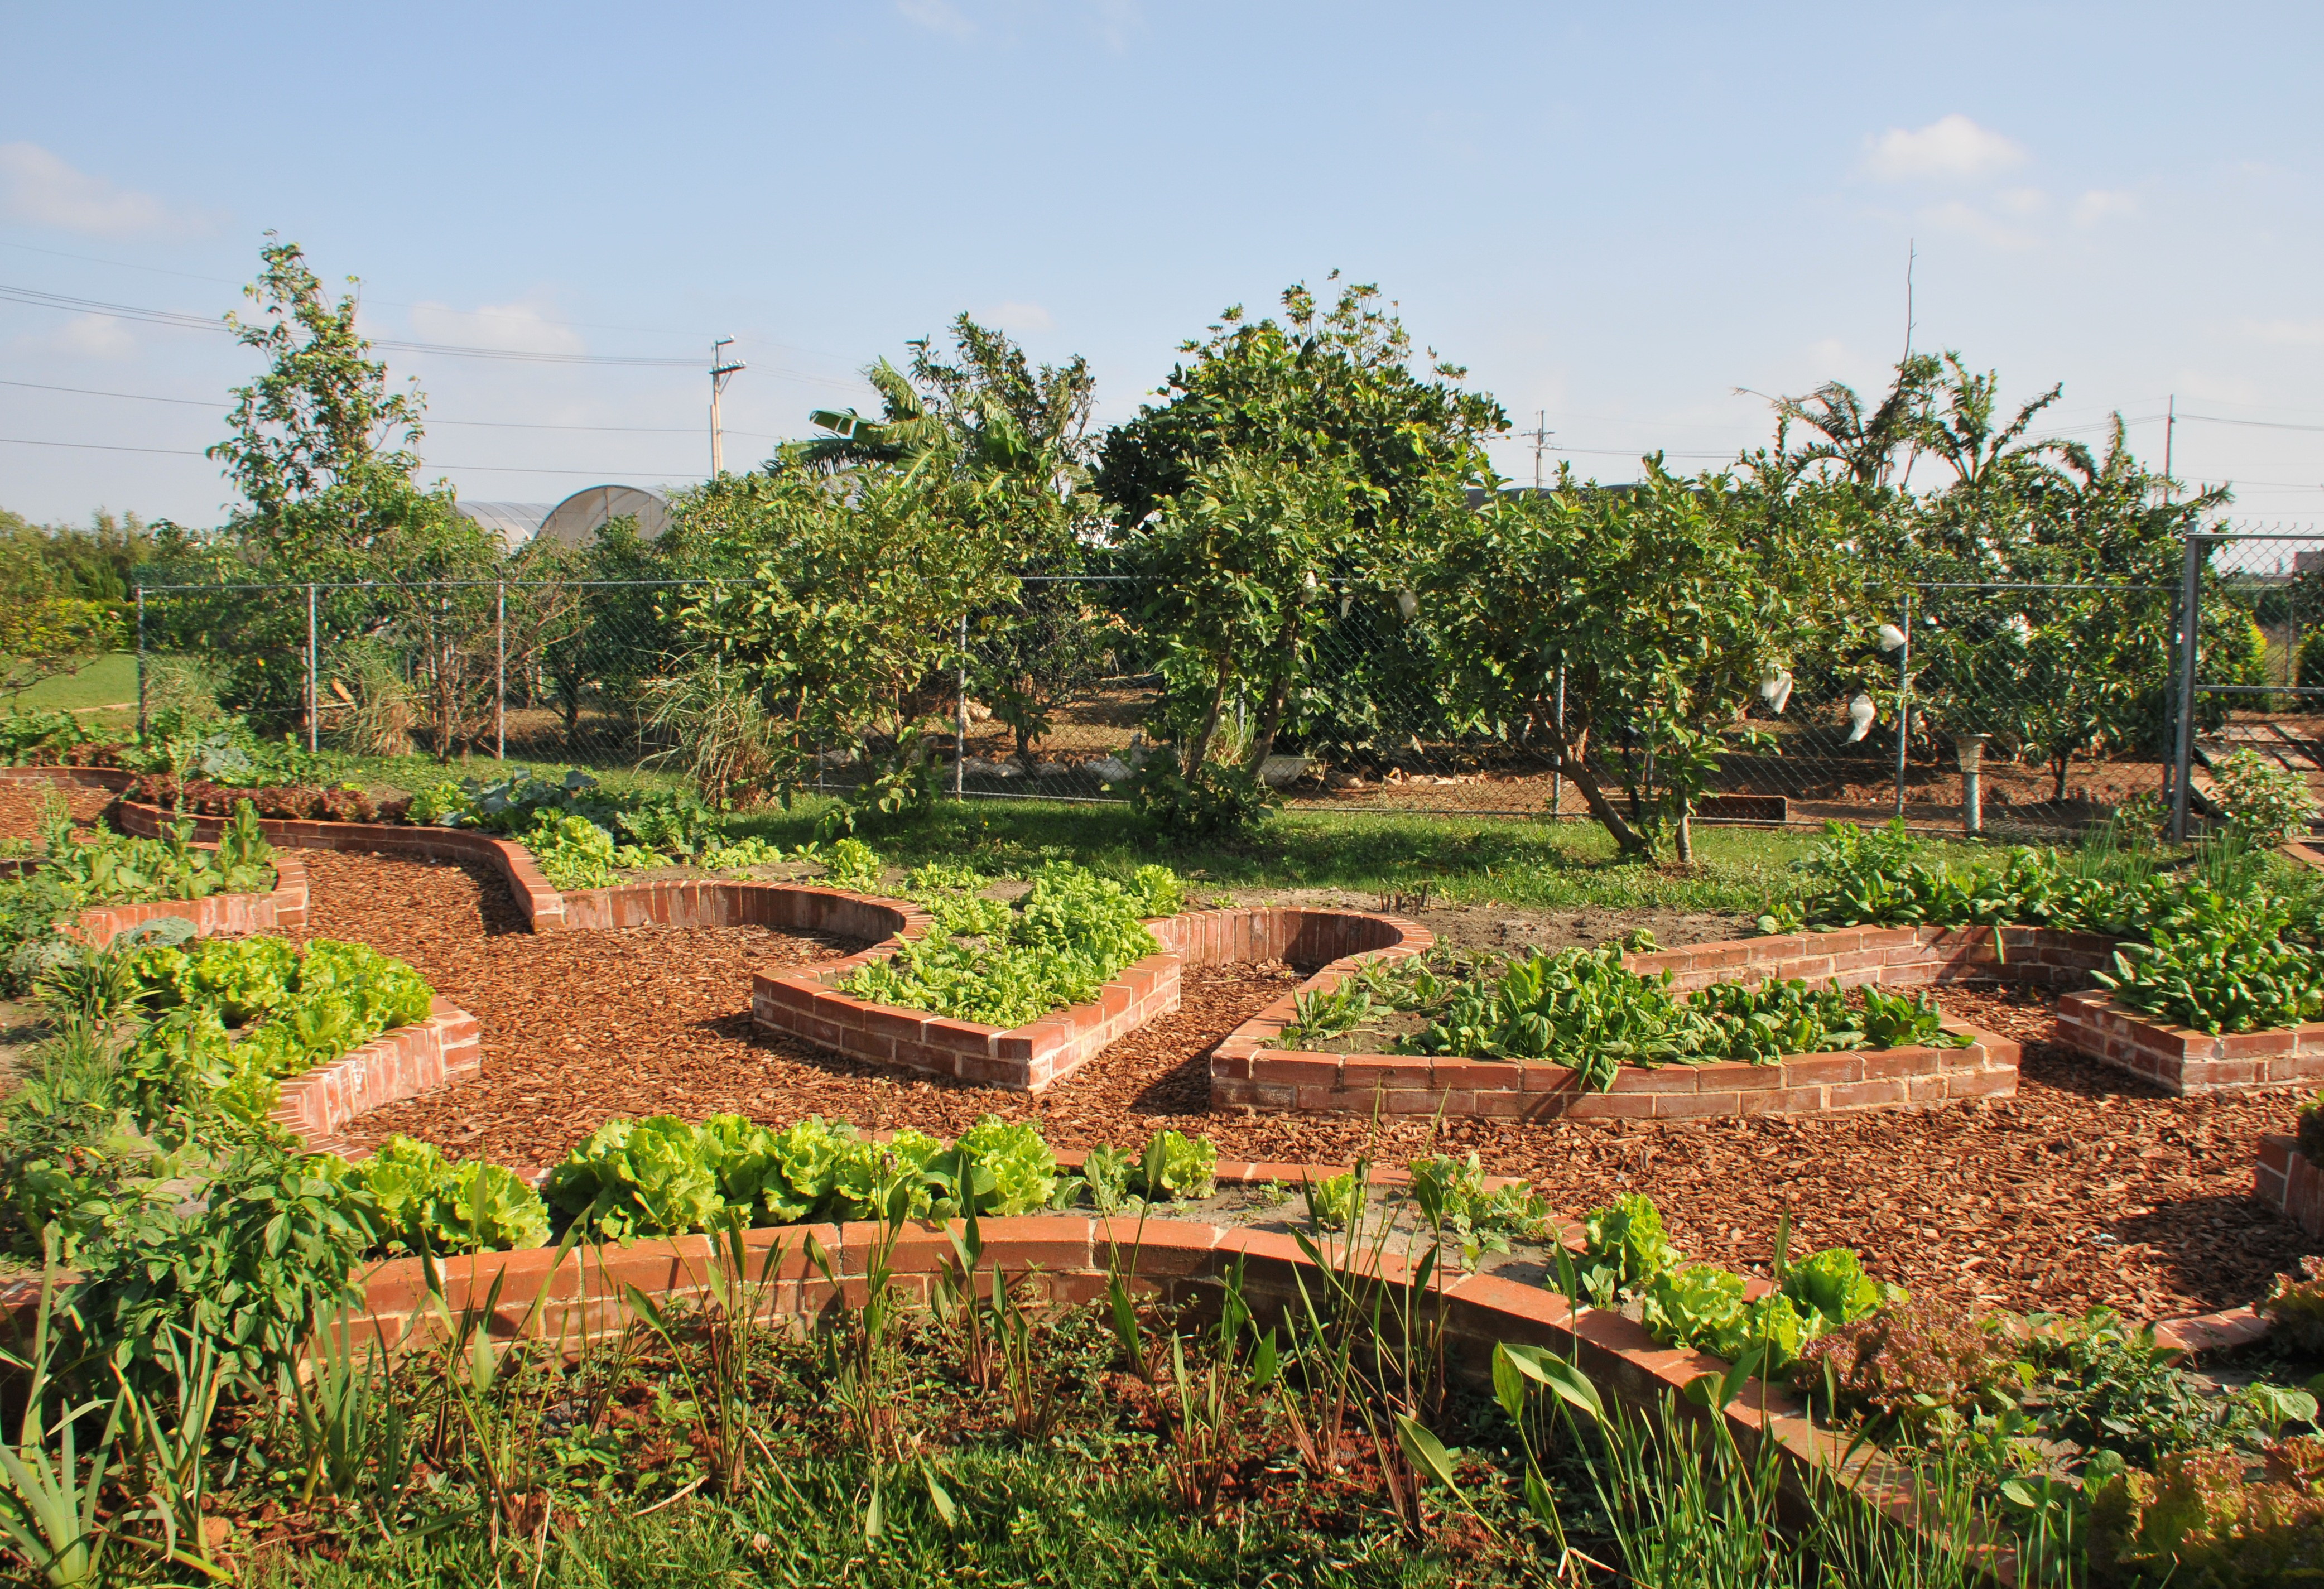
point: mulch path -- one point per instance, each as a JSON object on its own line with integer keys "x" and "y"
{"x": 2088, "y": 1189}
{"x": 21, "y": 805}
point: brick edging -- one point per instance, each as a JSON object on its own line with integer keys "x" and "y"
{"x": 543, "y": 906}
{"x": 446, "y": 1047}
{"x": 282, "y": 907}
{"x": 2283, "y": 1179}
{"x": 112, "y": 780}
{"x": 1245, "y": 1072}
{"x": 807, "y": 1004}
{"x": 2181, "y": 1060}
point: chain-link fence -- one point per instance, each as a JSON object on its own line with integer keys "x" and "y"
{"x": 2014, "y": 704}
{"x": 2258, "y": 681}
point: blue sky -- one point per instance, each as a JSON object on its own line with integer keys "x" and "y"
{"x": 1616, "y": 214}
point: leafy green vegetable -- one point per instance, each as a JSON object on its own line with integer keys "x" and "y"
{"x": 1451, "y": 1196}
{"x": 2223, "y": 965}
{"x": 1189, "y": 1166}
{"x": 987, "y": 962}
{"x": 424, "y": 1202}
{"x": 1333, "y": 1201}
{"x": 1623, "y": 1247}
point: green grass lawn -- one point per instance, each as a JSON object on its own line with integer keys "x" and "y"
{"x": 111, "y": 680}
{"x": 1518, "y": 861}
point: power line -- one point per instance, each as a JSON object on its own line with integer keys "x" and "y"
{"x": 183, "y": 452}
{"x": 179, "y": 320}
{"x": 398, "y": 303}
{"x": 431, "y": 420}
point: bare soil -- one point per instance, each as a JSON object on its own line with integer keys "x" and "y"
{"x": 2087, "y": 1189}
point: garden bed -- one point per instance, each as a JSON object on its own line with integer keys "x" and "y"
{"x": 810, "y": 1005}
{"x": 281, "y": 908}
{"x": 2181, "y": 1059}
{"x": 1248, "y": 1072}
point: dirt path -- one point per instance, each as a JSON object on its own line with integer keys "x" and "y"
{"x": 2085, "y": 1189}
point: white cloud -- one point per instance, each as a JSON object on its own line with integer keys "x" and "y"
{"x": 93, "y": 336}
{"x": 38, "y": 188}
{"x": 2023, "y": 201}
{"x": 2103, "y": 204}
{"x": 512, "y": 328}
{"x": 1021, "y": 316}
{"x": 938, "y": 16}
{"x": 1951, "y": 147}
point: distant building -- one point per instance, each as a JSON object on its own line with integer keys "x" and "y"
{"x": 573, "y": 523}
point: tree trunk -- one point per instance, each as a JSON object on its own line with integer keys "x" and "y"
{"x": 1625, "y": 837}
{"x": 2057, "y": 765}
{"x": 1686, "y": 833}
{"x": 1278, "y": 690}
{"x": 1199, "y": 752}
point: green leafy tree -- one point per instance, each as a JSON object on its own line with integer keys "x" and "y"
{"x": 852, "y": 604}
{"x": 1664, "y": 606}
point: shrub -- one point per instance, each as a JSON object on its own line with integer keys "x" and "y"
{"x": 1221, "y": 801}
{"x": 2265, "y": 805}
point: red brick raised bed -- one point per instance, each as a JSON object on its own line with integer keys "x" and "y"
{"x": 807, "y": 1004}
{"x": 1245, "y": 1072}
{"x": 543, "y": 906}
{"x": 2181, "y": 1060}
{"x": 446, "y": 1047}
{"x": 283, "y": 906}
{"x": 2284, "y": 1180}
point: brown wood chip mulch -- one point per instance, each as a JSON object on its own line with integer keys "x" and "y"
{"x": 2086, "y": 1189}
{"x": 21, "y": 805}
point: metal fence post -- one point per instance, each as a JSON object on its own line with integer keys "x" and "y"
{"x": 500, "y": 677}
{"x": 313, "y": 741}
{"x": 141, "y": 659}
{"x": 1904, "y": 701}
{"x": 2190, "y": 628}
{"x": 959, "y": 739}
{"x": 1557, "y": 777}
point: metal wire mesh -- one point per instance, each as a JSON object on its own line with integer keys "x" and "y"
{"x": 2069, "y": 688}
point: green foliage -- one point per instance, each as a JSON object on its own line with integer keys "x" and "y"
{"x": 2263, "y": 805}
{"x": 1218, "y": 801}
{"x": 851, "y": 864}
{"x": 1624, "y": 1248}
{"x": 1335, "y": 1201}
{"x": 1004, "y": 967}
{"x": 1578, "y": 1007}
{"x": 2221, "y": 964}
{"x": 1453, "y": 1199}
{"x": 1704, "y": 1305}
{"x": 660, "y": 1176}
{"x": 255, "y": 1253}
{"x": 2102, "y": 1383}
{"x": 574, "y": 851}
{"x": 302, "y": 1005}
{"x": 421, "y": 1202}
{"x": 105, "y": 868}
{"x": 1189, "y": 1166}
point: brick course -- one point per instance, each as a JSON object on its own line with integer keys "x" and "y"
{"x": 446, "y": 1047}
{"x": 1245, "y": 1072}
{"x": 2282, "y": 1178}
{"x": 2181, "y": 1060}
{"x": 282, "y": 907}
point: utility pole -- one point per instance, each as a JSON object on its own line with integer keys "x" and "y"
{"x": 1541, "y": 433}
{"x": 2170, "y": 432}
{"x": 719, "y": 372}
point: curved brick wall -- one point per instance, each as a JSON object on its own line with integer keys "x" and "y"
{"x": 282, "y": 907}
{"x": 446, "y": 1047}
{"x": 1247, "y": 1073}
{"x": 807, "y": 1004}
{"x": 543, "y": 906}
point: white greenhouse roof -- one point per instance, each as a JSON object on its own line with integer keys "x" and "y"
{"x": 515, "y": 522}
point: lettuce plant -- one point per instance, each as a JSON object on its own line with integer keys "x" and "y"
{"x": 425, "y": 1203}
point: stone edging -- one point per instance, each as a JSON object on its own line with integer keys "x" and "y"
{"x": 1245, "y": 1072}
{"x": 806, "y": 1003}
{"x": 282, "y": 907}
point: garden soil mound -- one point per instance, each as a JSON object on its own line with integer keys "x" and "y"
{"x": 2086, "y": 1189}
